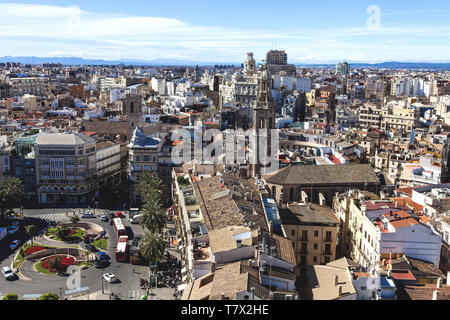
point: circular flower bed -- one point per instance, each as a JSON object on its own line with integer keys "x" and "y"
{"x": 57, "y": 263}
{"x": 34, "y": 249}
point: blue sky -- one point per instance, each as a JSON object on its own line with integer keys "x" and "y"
{"x": 223, "y": 31}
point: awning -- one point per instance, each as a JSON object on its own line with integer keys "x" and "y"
{"x": 181, "y": 287}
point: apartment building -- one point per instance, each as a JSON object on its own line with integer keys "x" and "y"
{"x": 108, "y": 160}
{"x": 399, "y": 118}
{"x": 142, "y": 157}
{"x": 33, "y": 86}
{"x": 313, "y": 231}
{"x": 66, "y": 168}
{"x": 370, "y": 116}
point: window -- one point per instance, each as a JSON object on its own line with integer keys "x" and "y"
{"x": 292, "y": 233}
{"x": 138, "y": 158}
{"x": 304, "y": 235}
{"x": 146, "y": 158}
{"x": 316, "y": 234}
{"x": 315, "y": 246}
{"x": 327, "y": 259}
{"x": 146, "y": 168}
{"x": 315, "y": 259}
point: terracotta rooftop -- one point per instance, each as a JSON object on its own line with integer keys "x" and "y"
{"x": 422, "y": 292}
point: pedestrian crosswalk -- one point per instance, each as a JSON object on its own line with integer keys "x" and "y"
{"x": 58, "y": 216}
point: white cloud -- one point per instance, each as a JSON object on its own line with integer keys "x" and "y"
{"x": 48, "y": 30}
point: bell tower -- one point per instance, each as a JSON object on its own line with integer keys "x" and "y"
{"x": 264, "y": 114}
{"x": 132, "y": 108}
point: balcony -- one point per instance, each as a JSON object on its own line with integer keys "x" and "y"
{"x": 328, "y": 240}
{"x": 327, "y": 252}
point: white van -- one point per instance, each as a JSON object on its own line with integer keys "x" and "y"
{"x": 136, "y": 218}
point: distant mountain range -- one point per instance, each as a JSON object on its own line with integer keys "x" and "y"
{"x": 73, "y": 61}
{"x": 173, "y": 62}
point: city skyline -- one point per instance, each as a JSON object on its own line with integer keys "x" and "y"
{"x": 221, "y": 33}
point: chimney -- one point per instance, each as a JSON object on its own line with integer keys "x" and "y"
{"x": 439, "y": 283}
{"x": 336, "y": 280}
{"x": 238, "y": 243}
{"x": 436, "y": 295}
{"x": 340, "y": 291}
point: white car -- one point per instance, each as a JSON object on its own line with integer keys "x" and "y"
{"x": 7, "y": 273}
{"x": 88, "y": 215}
{"x": 14, "y": 244}
{"x": 109, "y": 277}
{"x": 13, "y": 229}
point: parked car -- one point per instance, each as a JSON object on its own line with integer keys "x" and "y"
{"x": 100, "y": 264}
{"x": 14, "y": 244}
{"x": 91, "y": 248}
{"x": 88, "y": 215}
{"x": 7, "y": 273}
{"x": 13, "y": 229}
{"x": 104, "y": 218}
{"x": 110, "y": 277}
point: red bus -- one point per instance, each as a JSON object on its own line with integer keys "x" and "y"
{"x": 122, "y": 249}
{"x": 120, "y": 229}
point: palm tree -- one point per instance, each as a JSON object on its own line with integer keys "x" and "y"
{"x": 31, "y": 230}
{"x": 152, "y": 247}
{"x": 75, "y": 219}
{"x": 153, "y": 217}
{"x": 152, "y": 188}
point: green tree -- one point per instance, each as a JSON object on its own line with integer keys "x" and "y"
{"x": 153, "y": 216}
{"x": 11, "y": 195}
{"x": 152, "y": 247}
{"x": 31, "y": 230}
{"x": 10, "y": 296}
{"x": 49, "y": 296}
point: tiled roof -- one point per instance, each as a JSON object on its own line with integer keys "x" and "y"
{"x": 324, "y": 175}
{"x": 403, "y": 223}
{"x": 422, "y": 292}
{"x": 302, "y": 214}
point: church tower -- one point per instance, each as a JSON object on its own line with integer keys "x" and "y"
{"x": 132, "y": 108}
{"x": 264, "y": 114}
{"x": 250, "y": 64}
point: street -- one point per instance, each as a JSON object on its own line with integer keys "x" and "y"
{"x": 126, "y": 288}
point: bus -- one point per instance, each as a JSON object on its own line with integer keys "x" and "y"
{"x": 119, "y": 227}
{"x": 122, "y": 249}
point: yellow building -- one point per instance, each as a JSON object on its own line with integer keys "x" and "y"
{"x": 313, "y": 231}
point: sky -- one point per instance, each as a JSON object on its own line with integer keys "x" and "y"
{"x": 224, "y": 31}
